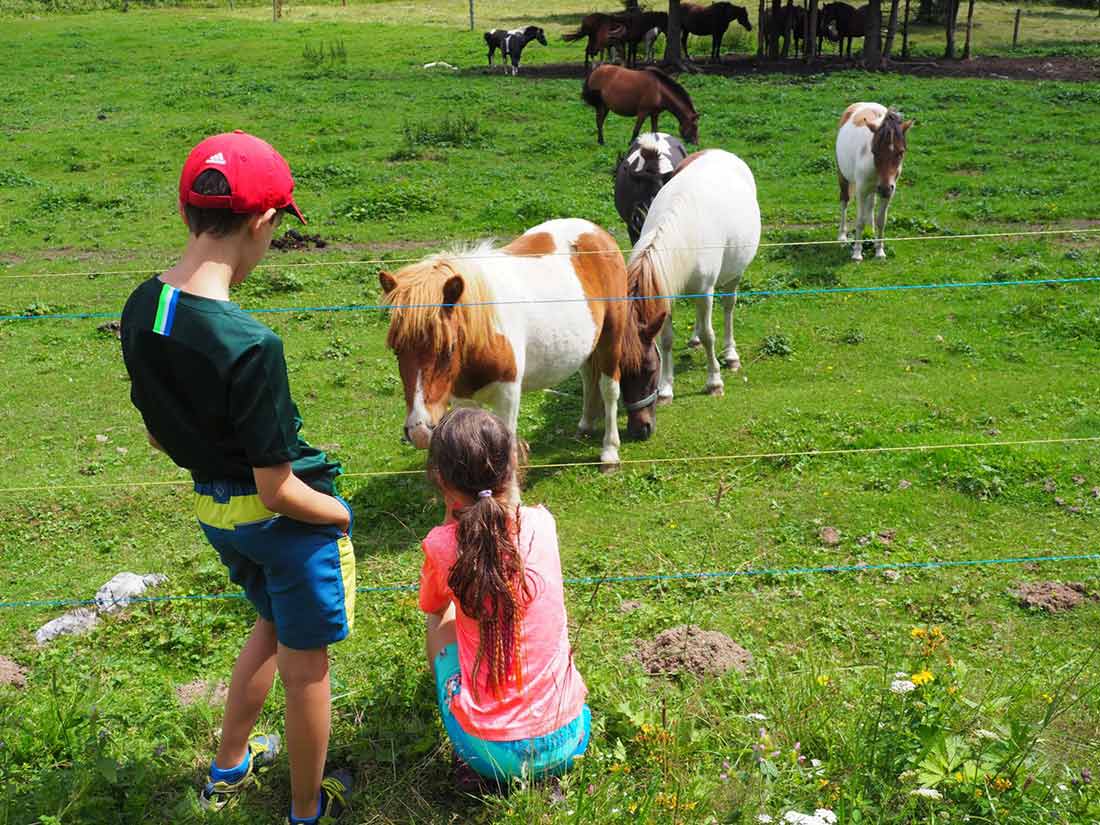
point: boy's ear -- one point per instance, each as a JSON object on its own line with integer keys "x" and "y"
{"x": 388, "y": 282}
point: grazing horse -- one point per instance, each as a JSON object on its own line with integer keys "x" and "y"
{"x": 639, "y": 25}
{"x": 701, "y": 232}
{"x": 791, "y": 25}
{"x": 839, "y": 21}
{"x": 870, "y": 148}
{"x": 511, "y": 43}
{"x": 647, "y": 166}
{"x": 713, "y": 20}
{"x": 602, "y": 31}
{"x": 639, "y": 94}
{"x": 485, "y": 325}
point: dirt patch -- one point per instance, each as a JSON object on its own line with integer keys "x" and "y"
{"x": 12, "y": 673}
{"x": 1053, "y": 597}
{"x": 201, "y": 690}
{"x": 1080, "y": 69}
{"x": 111, "y": 328}
{"x": 690, "y": 649}
{"x": 630, "y": 605}
{"x": 292, "y": 239}
{"x": 829, "y": 536}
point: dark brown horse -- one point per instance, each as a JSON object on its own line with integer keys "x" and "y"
{"x": 637, "y": 24}
{"x": 602, "y": 31}
{"x": 639, "y": 94}
{"x": 791, "y": 25}
{"x": 840, "y": 21}
{"x": 713, "y": 20}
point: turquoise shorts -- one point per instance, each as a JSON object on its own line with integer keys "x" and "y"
{"x": 299, "y": 576}
{"x": 547, "y": 755}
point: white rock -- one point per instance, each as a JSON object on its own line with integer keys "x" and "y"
{"x": 72, "y": 623}
{"x": 118, "y": 592}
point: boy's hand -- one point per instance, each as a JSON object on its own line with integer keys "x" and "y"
{"x": 283, "y": 492}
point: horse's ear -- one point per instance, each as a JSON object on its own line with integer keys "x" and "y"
{"x": 907, "y": 125}
{"x": 388, "y": 282}
{"x": 452, "y": 291}
{"x": 653, "y": 328}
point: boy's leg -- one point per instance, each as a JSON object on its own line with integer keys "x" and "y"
{"x": 251, "y": 682}
{"x": 305, "y": 677}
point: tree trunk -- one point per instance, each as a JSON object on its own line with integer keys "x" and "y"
{"x": 891, "y": 30}
{"x": 905, "y": 34}
{"x": 471, "y": 15}
{"x": 672, "y": 37}
{"x": 760, "y": 45}
{"x": 949, "y": 28}
{"x": 872, "y": 36}
{"x": 969, "y": 27}
{"x": 773, "y": 35}
{"x": 810, "y": 43}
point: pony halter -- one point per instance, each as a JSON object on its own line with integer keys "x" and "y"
{"x": 642, "y": 403}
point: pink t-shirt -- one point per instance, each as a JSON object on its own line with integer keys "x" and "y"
{"x": 552, "y": 692}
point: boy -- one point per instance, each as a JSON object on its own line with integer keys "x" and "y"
{"x": 211, "y": 385}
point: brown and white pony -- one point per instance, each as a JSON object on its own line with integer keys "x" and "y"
{"x": 485, "y": 325}
{"x": 714, "y": 20}
{"x": 639, "y": 94}
{"x": 870, "y": 148}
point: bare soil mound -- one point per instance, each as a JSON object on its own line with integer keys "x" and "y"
{"x": 1053, "y": 597}
{"x": 292, "y": 239}
{"x": 11, "y": 673}
{"x": 690, "y": 649}
{"x": 1079, "y": 69}
{"x": 202, "y": 691}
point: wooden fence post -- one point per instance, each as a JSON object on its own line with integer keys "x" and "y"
{"x": 905, "y": 34}
{"x": 969, "y": 26}
{"x": 471, "y": 15}
{"x": 809, "y": 50}
{"x": 1016, "y": 30}
{"x": 760, "y": 31}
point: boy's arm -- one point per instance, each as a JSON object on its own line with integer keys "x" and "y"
{"x": 283, "y": 492}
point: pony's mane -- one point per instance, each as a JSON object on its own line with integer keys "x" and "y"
{"x": 657, "y": 253}
{"x": 889, "y": 130}
{"x": 418, "y": 318}
{"x": 674, "y": 86}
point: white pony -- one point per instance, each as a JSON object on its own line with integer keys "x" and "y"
{"x": 700, "y": 234}
{"x": 870, "y": 147}
{"x": 488, "y": 324}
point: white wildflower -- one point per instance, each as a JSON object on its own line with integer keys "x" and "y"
{"x": 822, "y": 816}
{"x": 826, "y": 816}
{"x": 815, "y": 763}
{"x": 982, "y": 733}
{"x": 901, "y": 674}
{"x": 927, "y": 793}
{"x": 1062, "y": 786}
{"x": 902, "y": 686}
{"x": 756, "y": 717}
{"x": 764, "y": 818}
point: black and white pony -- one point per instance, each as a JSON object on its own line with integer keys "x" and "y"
{"x": 648, "y": 164}
{"x": 511, "y": 43}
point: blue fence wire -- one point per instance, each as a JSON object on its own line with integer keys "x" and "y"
{"x": 614, "y": 579}
{"x": 748, "y": 293}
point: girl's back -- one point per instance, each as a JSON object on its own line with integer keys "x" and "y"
{"x": 547, "y": 691}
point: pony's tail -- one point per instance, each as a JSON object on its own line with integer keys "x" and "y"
{"x": 646, "y": 285}
{"x": 589, "y": 95}
{"x": 569, "y": 37}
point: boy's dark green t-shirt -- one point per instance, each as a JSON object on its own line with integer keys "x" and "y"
{"x": 211, "y": 384}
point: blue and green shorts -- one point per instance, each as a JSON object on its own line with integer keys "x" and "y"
{"x": 299, "y": 576}
{"x": 548, "y": 755}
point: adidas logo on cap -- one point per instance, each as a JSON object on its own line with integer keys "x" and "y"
{"x": 218, "y": 158}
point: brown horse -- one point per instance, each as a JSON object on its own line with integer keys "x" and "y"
{"x": 639, "y": 94}
{"x": 602, "y": 31}
{"x": 713, "y": 20}
{"x": 638, "y": 24}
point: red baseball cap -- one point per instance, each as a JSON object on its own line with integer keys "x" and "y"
{"x": 259, "y": 178}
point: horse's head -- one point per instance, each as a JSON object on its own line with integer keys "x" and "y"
{"x": 888, "y": 148}
{"x": 432, "y": 324}
{"x": 689, "y": 127}
{"x": 534, "y": 33}
{"x": 640, "y": 375}
{"x": 741, "y": 15}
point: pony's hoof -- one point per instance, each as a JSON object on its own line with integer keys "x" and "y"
{"x": 880, "y": 254}
{"x": 608, "y": 467}
{"x": 732, "y": 364}
{"x": 694, "y": 342}
{"x": 718, "y": 389}
{"x": 842, "y": 238}
{"x": 857, "y": 257}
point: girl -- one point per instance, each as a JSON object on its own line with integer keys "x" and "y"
{"x": 511, "y": 700}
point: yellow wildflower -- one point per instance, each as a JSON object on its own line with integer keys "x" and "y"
{"x": 1000, "y": 784}
{"x": 1048, "y": 698}
{"x": 823, "y": 680}
{"x": 922, "y": 677}
{"x": 918, "y": 632}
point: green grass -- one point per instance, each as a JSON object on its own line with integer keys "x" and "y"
{"x": 394, "y": 161}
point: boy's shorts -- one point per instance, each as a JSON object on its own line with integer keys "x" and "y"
{"x": 299, "y": 576}
{"x": 547, "y": 755}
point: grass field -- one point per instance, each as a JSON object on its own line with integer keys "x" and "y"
{"x": 394, "y": 161}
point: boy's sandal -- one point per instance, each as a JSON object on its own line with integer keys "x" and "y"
{"x": 335, "y": 790}
{"x": 263, "y": 749}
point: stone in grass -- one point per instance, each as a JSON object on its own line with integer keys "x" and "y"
{"x": 829, "y": 536}
{"x": 692, "y": 650}
{"x": 117, "y": 593}
{"x": 1052, "y": 597}
{"x": 72, "y": 623}
{"x": 12, "y": 673}
{"x": 200, "y": 690}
